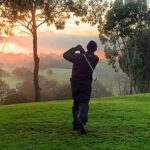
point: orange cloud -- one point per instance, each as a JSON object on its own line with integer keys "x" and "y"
{"x": 50, "y": 42}
{"x": 101, "y": 55}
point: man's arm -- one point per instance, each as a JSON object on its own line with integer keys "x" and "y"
{"x": 70, "y": 55}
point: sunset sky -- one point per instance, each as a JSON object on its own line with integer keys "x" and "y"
{"x": 51, "y": 40}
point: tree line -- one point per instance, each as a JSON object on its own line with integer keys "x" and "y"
{"x": 126, "y": 35}
{"x": 51, "y": 89}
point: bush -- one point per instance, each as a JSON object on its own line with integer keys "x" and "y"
{"x": 50, "y": 72}
{"x": 4, "y": 73}
{"x": 16, "y": 97}
{"x": 52, "y": 89}
{"x": 22, "y": 73}
{"x": 4, "y": 88}
{"x": 98, "y": 90}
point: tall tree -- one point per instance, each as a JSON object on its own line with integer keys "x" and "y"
{"x": 4, "y": 89}
{"x": 31, "y": 14}
{"x": 141, "y": 60}
{"x": 5, "y": 27}
{"x": 123, "y": 21}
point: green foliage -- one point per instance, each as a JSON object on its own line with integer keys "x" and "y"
{"x": 31, "y": 14}
{"x": 13, "y": 97}
{"x": 47, "y": 11}
{"x": 95, "y": 11}
{"x": 114, "y": 123}
{"x": 4, "y": 73}
{"x": 4, "y": 89}
{"x": 50, "y": 72}
{"x": 124, "y": 22}
{"x": 98, "y": 90}
{"x": 5, "y": 25}
{"x": 22, "y": 73}
{"x": 141, "y": 60}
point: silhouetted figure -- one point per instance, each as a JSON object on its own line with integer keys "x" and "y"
{"x": 81, "y": 81}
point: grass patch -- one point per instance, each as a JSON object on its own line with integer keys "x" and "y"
{"x": 115, "y": 123}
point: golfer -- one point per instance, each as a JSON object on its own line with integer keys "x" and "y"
{"x": 81, "y": 80}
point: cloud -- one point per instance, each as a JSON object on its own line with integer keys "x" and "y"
{"x": 64, "y": 41}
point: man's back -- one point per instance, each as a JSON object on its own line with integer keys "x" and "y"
{"x": 81, "y": 70}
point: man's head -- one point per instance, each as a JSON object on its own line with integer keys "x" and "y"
{"x": 91, "y": 46}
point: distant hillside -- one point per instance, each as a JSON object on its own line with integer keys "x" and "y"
{"x": 52, "y": 60}
{"x": 60, "y": 67}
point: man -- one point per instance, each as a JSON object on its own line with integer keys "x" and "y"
{"x": 81, "y": 81}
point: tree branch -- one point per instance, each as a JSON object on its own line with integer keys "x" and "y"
{"x": 24, "y": 25}
{"x": 25, "y": 32}
{"x": 29, "y": 23}
{"x": 41, "y": 23}
{"x": 56, "y": 13}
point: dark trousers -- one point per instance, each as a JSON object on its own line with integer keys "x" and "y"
{"x": 81, "y": 96}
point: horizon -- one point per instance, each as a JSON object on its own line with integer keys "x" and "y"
{"x": 48, "y": 38}
{"x": 100, "y": 54}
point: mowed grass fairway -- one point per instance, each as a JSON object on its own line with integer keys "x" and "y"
{"x": 115, "y": 123}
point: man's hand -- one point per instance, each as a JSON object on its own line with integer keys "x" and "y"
{"x": 79, "y": 48}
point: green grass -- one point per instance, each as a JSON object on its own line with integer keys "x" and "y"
{"x": 115, "y": 123}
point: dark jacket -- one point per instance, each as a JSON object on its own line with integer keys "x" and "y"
{"x": 81, "y": 72}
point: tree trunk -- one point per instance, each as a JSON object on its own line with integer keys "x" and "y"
{"x": 148, "y": 85}
{"x": 131, "y": 81}
{"x": 1, "y": 100}
{"x": 36, "y": 68}
{"x": 36, "y": 58}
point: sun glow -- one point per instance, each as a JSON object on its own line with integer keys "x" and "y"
{"x": 49, "y": 38}
{"x": 11, "y": 46}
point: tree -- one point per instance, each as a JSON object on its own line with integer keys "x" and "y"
{"x": 4, "y": 88}
{"x": 141, "y": 62}
{"x": 5, "y": 27}
{"x": 4, "y": 73}
{"x": 14, "y": 96}
{"x": 50, "y": 72}
{"x": 99, "y": 90}
{"x": 122, "y": 84}
{"x": 122, "y": 23}
{"x": 31, "y": 14}
{"x": 22, "y": 73}
{"x": 26, "y": 88}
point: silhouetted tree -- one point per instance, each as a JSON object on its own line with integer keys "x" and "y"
{"x": 99, "y": 90}
{"x": 122, "y": 23}
{"x": 140, "y": 46}
{"x": 5, "y": 26}
{"x": 31, "y": 14}
{"x": 4, "y": 73}
{"x": 14, "y": 96}
{"x": 22, "y": 73}
{"x": 122, "y": 83}
{"x": 4, "y": 88}
{"x": 50, "y": 72}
